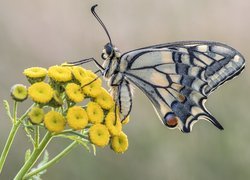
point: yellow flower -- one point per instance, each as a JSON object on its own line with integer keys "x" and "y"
{"x": 105, "y": 100}
{"x": 36, "y": 115}
{"x": 95, "y": 112}
{"x": 19, "y": 92}
{"x": 119, "y": 143}
{"x": 60, "y": 73}
{"x": 79, "y": 73}
{"x": 77, "y": 117}
{"x": 99, "y": 135}
{"x": 54, "y": 121}
{"x": 93, "y": 89}
{"x": 114, "y": 125}
{"x": 93, "y": 76}
{"x": 40, "y": 92}
{"x": 35, "y": 73}
{"x": 73, "y": 91}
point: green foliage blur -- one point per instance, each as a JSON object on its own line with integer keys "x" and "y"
{"x": 44, "y": 33}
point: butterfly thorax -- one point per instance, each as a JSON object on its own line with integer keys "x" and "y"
{"x": 110, "y": 67}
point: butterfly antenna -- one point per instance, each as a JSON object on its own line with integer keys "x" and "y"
{"x": 100, "y": 21}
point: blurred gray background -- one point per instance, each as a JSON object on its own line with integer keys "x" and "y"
{"x": 49, "y": 32}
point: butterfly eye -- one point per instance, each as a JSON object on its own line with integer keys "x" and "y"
{"x": 109, "y": 49}
{"x": 171, "y": 120}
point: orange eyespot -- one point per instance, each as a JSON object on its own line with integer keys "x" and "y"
{"x": 171, "y": 120}
{"x": 181, "y": 98}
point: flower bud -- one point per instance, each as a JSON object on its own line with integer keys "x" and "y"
{"x": 36, "y": 115}
{"x": 19, "y": 92}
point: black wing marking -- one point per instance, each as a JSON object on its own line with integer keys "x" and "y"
{"x": 178, "y": 77}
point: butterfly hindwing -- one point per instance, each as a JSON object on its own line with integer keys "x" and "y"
{"x": 178, "y": 77}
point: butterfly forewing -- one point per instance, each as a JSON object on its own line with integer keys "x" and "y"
{"x": 178, "y": 77}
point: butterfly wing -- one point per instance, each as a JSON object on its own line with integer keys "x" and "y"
{"x": 178, "y": 77}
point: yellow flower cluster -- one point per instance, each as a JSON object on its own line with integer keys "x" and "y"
{"x": 35, "y": 74}
{"x": 71, "y": 98}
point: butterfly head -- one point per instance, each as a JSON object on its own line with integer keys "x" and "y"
{"x": 110, "y": 52}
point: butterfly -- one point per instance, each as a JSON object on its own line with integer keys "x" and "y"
{"x": 177, "y": 77}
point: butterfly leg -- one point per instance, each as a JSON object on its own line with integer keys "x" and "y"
{"x": 83, "y": 61}
{"x": 98, "y": 71}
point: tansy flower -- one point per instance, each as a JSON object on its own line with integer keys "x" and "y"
{"x": 40, "y": 92}
{"x": 93, "y": 89}
{"x": 95, "y": 112}
{"x": 54, "y": 121}
{"x": 73, "y": 92}
{"x": 114, "y": 125}
{"x": 35, "y": 74}
{"x": 99, "y": 135}
{"x": 36, "y": 115}
{"x": 77, "y": 117}
{"x": 19, "y": 92}
{"x": 60, "y": 73}
{"x": 119, "y": 143}
{"x": 79, "y": 73}
{"x": 105, "y": 100}
{"x": 93, "y": 76}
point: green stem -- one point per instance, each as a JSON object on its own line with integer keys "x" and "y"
{"x": 37, "y": 136}
{"x": 8, "y": 145}
{"x": 34, "y": 156}
{"x": 52, "y": 161}
{"x": 15, "y": 112}
{"x": 15, "y": 126}
{"x": 25, "y": 114}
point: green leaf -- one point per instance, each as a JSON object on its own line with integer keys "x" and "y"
{"x": 77, "y": 134}
{"x": 82, "y": 142}
{"x": 94, "y": 149}
{"x": 43, "y": 162}
{"x": 7, "y": 108}
{"x": 27, "y": 154}
{"x": 29, "y": 129}
{"x": 36, "y": 177}
{"x": 45, "y": 158}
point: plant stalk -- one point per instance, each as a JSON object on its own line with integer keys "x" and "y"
{"x": 34, "y": 156}
{"x": 13, "y": 131}
{"x": 8, "y": 145}
{"x": 52, "y": 161}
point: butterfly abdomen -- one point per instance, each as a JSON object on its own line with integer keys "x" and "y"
{"x": 124, "y": 99}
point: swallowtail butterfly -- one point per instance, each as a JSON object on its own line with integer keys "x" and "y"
{"x": 177, "y": 77}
